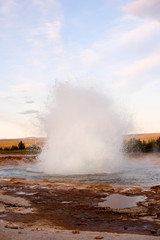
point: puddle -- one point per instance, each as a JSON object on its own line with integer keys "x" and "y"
{"x": 121, "y": 201}
{"x": 9, "y": 188}
{"x": 20, "y": 193}
{"x": 30, "y": 194}
{"x": 24, "y": 193}
{"x": 33, "y": 187}
{"x": 3, "y": 215}
{"x": 64, "y": 202}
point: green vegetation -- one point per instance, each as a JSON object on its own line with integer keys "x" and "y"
{"x": 21, "y": 145}
{"x": 136, "y": 145}
{"x": 14, "y": 147}
{"x": 20, "y": 149}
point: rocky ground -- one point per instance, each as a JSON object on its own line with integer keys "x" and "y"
{"x": 17, "y": 159}
{"x": 43, "y": 209}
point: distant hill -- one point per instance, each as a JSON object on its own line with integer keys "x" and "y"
{"x": 22, "y": 139}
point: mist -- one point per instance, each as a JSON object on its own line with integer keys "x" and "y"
{"x": 84, "y": 133}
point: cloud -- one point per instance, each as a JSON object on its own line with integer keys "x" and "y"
{"x": 29, "y": 112}
{"x": 38, "y": 63}
{"x": 111, "y": 52}
{"x": 52, "y": 30}
{"x": 26, "y": 86}
{"x": 89, "y": 58}
{"x": 139, "y": 70}
{"x": 11, "y": 128}
{"x": 5, "y": 95}
{"x": 47, "y": 35}
{"x": 29, "y": 102}
{"x": 23, "y": 88}
{"x": 7, "y": 6}
{"x": 46, "y": 5}
{"x": 143, "y": 66}
{"x": 134, "y": 36}
{"x": 144, "y": 9}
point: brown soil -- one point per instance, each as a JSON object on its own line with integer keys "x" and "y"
{"x": 8, "y": 159}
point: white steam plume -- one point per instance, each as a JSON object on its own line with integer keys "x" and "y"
{"x": 84, "y": 133}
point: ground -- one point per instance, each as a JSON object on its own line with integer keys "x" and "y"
{"x": 47, "y": 209}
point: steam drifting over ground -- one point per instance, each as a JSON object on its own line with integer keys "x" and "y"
{"x": 84, "y": 133}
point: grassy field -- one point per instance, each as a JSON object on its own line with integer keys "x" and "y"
{"x": 146, "y": 136}
{"x": 40, "y": 142}
{"x": 27, "y": 141}
{"x": 23, "y": 152}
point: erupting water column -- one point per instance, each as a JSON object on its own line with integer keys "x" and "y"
{"x": 84, "y": 133}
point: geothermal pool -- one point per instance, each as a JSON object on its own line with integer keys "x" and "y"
{"x": 148, "y": 175}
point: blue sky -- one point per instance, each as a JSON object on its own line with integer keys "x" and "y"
{"x": 107, "y": 44}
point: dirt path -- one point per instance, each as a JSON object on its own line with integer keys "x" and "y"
{"x": 55, "y": 234}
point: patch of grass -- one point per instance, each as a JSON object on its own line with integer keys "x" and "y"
{"x": 23, "y": 152}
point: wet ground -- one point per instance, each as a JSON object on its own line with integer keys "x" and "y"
{"x": 76, "y": 206}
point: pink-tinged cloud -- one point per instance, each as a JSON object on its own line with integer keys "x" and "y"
{"x": 144, "y": 9}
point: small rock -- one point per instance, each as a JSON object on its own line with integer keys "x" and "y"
{"x": 29, "y": 225}
{"x": 11, "y": 227}
{"x": 153, "y": 231}
{"x": 81, "y": 223}
{"x": 125, "y": 227}
{"x": 98, "y": 237}
{"x": 75, "y": 231}
{"x": 145, "y": 204}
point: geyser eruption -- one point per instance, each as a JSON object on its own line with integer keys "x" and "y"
{"x": 84, "y": 133}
